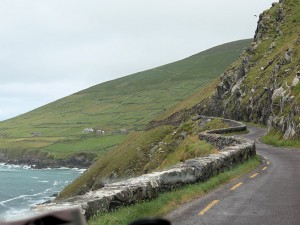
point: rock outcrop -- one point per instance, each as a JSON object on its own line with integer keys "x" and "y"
{"x": 148, "y": 186}
{"x": 263, "y": 85}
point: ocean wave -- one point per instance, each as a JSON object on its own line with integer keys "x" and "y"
{"x": 81, "y": 170}
{"x": 56, "y": 182}
{"x": 43, "y": 181}
{"x": 20, "y": 197}
{"x": 13, "y": 167}
{"x": 19, "y": 213}
{"x": 31, "y": 167}
{"x": 27, "y": 190}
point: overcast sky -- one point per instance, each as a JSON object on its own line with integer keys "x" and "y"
{"x": 53, "y": 48}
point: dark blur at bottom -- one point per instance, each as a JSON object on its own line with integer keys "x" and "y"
{"x": 151, "y": 221}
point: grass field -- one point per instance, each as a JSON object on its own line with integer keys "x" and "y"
{"x": 125, "y": 103}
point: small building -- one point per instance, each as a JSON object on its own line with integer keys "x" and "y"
{"x": 36, "y": 134}
{"x": 124, "y": 131}
{"x": 88, "y": 130}
{"x": 100, "y": 132}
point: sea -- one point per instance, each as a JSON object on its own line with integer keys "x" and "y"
{"x": 22, "y": 188}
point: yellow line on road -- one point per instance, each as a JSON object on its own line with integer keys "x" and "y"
{"x": 254, "y": 175}
{"x": 268, "y": 163}
{"x": 201, "y": 213}
{"x": 264, "y": 168}
{"x": 236, "y": 186}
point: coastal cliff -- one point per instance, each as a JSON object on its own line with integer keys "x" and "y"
{"x": 40, "y": 160}
{"x": 263, "y": 85}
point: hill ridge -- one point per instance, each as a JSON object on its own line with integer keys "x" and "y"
{"x": 262, "y": 86}
{"x": 115, "y": 107}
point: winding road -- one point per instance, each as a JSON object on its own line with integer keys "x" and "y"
{"x": 270, "y": 195}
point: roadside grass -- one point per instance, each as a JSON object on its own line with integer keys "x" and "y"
{"x": 275, "y": 138}
{"x": 168, "y": 201}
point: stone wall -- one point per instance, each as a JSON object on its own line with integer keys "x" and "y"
{"x": 148, "y": 186}
{"x": 221, "y": 141}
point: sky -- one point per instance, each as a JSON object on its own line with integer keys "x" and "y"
{"x": 52, "y": 48}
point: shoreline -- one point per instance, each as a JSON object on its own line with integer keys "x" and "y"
{"x": 23, "y": 188}
{"x": 39, "y": 160}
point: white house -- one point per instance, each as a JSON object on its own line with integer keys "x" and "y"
{"x": 88, "y": 130}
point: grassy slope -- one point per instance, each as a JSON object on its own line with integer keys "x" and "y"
{"x": 143, "y": 152}
{"x": 129, "y": 102}
{"x": 289, "y": 38}
{"x": 257, "y": 79}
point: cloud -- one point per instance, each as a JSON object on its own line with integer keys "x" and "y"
{"x": 73, "y": 44}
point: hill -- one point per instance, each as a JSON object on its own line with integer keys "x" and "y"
{"x": 263, "y": 85}
{"x": 56, "y": 131}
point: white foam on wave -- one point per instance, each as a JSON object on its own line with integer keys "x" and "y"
{"x": 43, "y": 181}
{"x": 63, "y": 168}
{"x": 82, "y": 170}
{"x": 26, "y": 167}
{"x": 13, "y": 213}
{"x": 31, "y": 200}
{"x": 56, "y": 182}
{"x": 29, "y": 167}
{"x": 20, "y": 197}
{"x": 47, "y": 190}
{"x": 15, "y": 167}
{"x": 7, "y": 167}
{"x": 12, "y": 206}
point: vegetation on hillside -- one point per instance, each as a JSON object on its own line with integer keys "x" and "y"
{"x": 115, "y": 107}
{"x": 275, "y": 138}
{"x": 263, "y": 85}
{"x": 146, "y": 151}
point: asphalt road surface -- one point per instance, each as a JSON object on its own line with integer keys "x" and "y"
{"x": 270, "y": 195}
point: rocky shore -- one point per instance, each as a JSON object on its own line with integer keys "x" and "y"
{"x": 39, "y": 160}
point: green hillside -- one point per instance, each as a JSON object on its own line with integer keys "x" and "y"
{"x": 117, "y": 107}
{"x": 144, "y": 152}
{"x": 263, "y": 86}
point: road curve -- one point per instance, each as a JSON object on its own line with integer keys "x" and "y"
{"x": 270, "y": 195}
